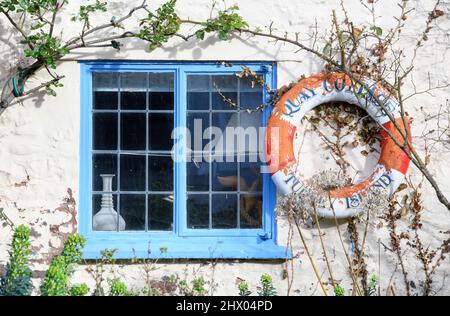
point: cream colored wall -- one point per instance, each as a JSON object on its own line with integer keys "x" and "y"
{"x": 40, "y": 137}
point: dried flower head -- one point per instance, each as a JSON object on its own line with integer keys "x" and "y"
{"x": 303, "y": 204}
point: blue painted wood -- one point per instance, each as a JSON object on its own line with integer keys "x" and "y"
{"x": 181, "y": 242}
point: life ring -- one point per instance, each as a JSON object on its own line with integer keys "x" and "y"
{"x": 310, "y": 92}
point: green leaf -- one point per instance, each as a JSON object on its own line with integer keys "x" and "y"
{"x": 377, "y": 30}
{"x": 200, "y": 34}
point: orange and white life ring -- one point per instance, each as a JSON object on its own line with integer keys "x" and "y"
{"x": 310, "y": 92}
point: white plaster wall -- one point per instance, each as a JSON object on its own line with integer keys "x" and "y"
{"x": 40, "y": 137}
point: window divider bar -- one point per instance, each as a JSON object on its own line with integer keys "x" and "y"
{"x": 147, "y": 107}
{"x": 210, "y": 154}
{"x": 238, "y": 163}
{"x": 119, "y": 106}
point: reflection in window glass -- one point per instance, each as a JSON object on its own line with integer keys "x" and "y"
{"x": 105, "y": 88}
{"x": 133, "y": 93}
{"x": 161, "y": 95}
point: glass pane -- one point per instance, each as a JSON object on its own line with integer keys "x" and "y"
{"x": 224, "y": 176}
{"x": 251, "y": 100}
{"x": 105, "y": 131}
{"x": 105, "y": 86}
{"x": 198, "y": 211}
{"x": 160, "y": 131}
{"x": 218, "y": 102}
{"x": 250, "y": 97}
{"x": 225, "y": 143}
{"x": 197, "y": 123}
{"x": 198, "y": 92}
{"x": 251, "y": 176}
{"x": 250, "y": 142}
{"x": 227, "y": 85}
{"x": 161, "y": 91}
{"x": 161, "y": 100}
{"x": 132, "y": 210}
{"x": 132, "y": 131}
{"x": 251, "y": 210}
{"x": 104, "y": 164}
{"x": 160, "y": 173}
{"x": 224, "y": 211}
{"x": 198, "y": 176}
{"x": 133, "y": 91}
{"x": 132, "y": 173}
{"x": 160, "y": 209}
{"x": 107, "y": 220}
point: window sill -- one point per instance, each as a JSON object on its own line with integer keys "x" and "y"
{"x": 188, "y": 248}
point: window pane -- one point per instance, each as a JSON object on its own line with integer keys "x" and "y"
{"x": 227, "y": 86}
{"x": 251, "y": 210}
{"x": 108, "y": 221}
{"x": 132, "y": 210}
{"x": 105, "y": 86}
{"x": 160, "y": 173}
{"x": 251, "y": 177}
{"x": 160, "y": 209}
{"x": 224, "y": 211}
{"x": 105, "y": 131}
{"x": 197, "y": 123}
{"x": 224, "y": 176}
{"x": 132, "y": 131}
{"x": 132, "y": 173}
{"x": 198, "y": 87}
{"x": 198, "y": 211}
{"x": 133, "y": 91}
{"x": 160, "y": 131}
{"x": 104, "y": 164}
{"x": 161, "y": 91}
{"x": 198, "y": 176}
{"x": 250, "y": 97}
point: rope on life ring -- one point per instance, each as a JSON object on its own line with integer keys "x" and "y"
{"x": 321, "y": 88}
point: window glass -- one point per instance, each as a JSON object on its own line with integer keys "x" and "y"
{"x": 133, "y": 118}
{"x": 221, "y": 171}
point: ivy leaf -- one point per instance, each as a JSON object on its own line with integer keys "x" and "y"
{"x": 200, "y": 34}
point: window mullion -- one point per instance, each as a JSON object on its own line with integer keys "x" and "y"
{"x": 210, "y": 154}
{"x": 238, "y": 162}
{"x": 119, "y": 105}
{"x": 147, "y": 211}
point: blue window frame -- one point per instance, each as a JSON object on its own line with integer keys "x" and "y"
{"x": 186, "y": 236}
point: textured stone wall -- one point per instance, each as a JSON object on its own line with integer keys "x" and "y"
{"x": 39, "y": 138}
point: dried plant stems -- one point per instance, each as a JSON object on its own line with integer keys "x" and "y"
{"x": 330, "y": 272}
{"x": 350, "y": 265}
{"x": 319, "y": 279}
